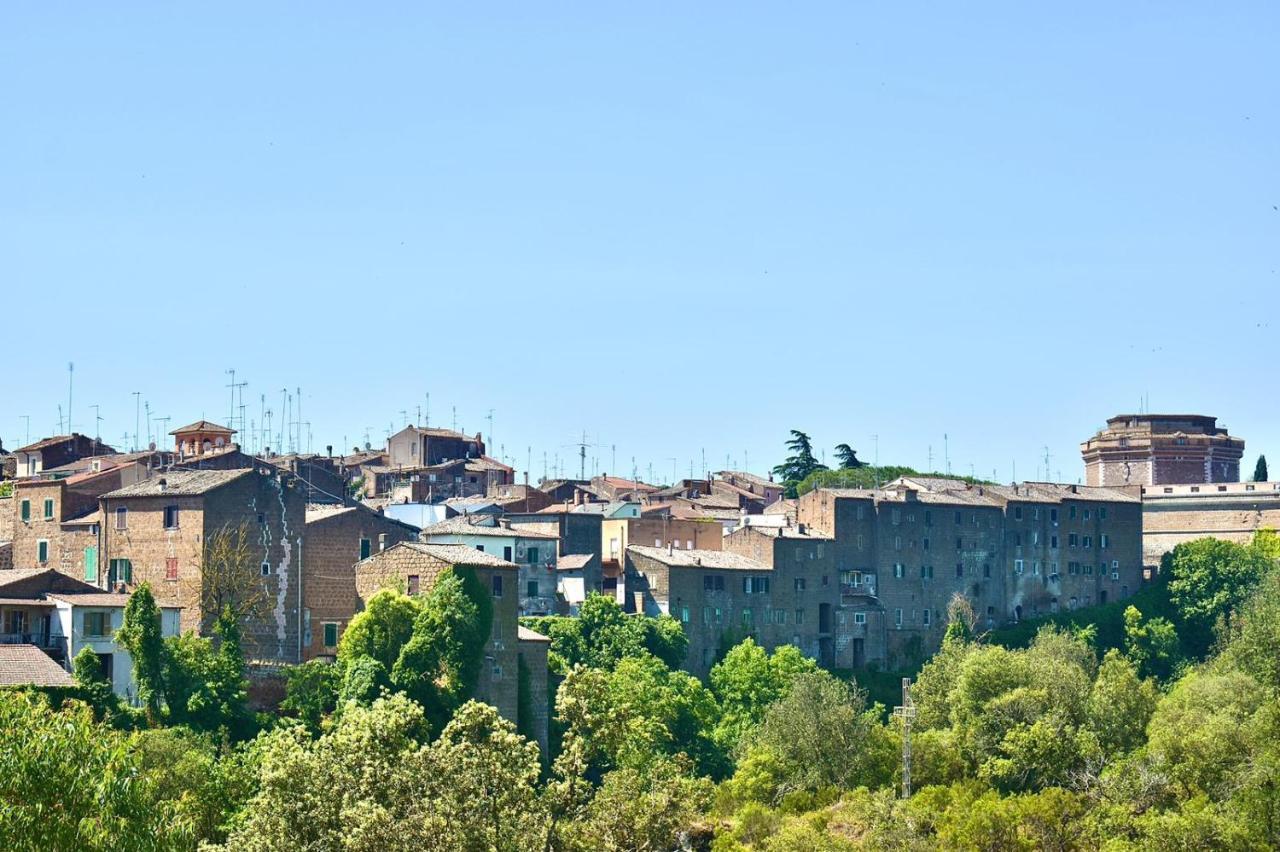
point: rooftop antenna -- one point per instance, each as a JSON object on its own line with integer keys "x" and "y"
{"x": 284, "y": 417}
{"x": 875, "y": 439}
{"x": 528, "y": 462}
{"x": 233, "y": 385}
{"x": 417, "y": 419}
{"x": 137, "y": 417}
{"x": 262, "y": 423}
{"x": 27, "y": 419}
{"x": 97, "y": 427}
{"x": 404, "y": 415}
{"x": 489, "y": 417}
{"x": 613, "y": 457}
{"x": 674, "y": 475}
{"x": 1046, "y": 462}
{"x": 308, "y": 425}
{"x": 704, "y": 462}
{"x": 427, "y": 419}
{"x": 455, "y": 418}
{"x": 746, "y": 462}
{"x": 634, "y": 472}
{"x": 929, "y": 456}
{"x": 160, "y": 430}
{"x": 300, "y": 421}
{"x": 582, "y": 455}
{"x": 544, "y": 465}
{"x": 60, "y": 419}
{"x": 71, "y": 374}
{"x": 146, "y": 406}
{"x": 946, "y": 451}
{"x": 906, "y": 712}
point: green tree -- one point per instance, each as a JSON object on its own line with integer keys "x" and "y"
{"x": 140, "y": 635}
{"x": 1151, "y": 646}
{"x": 1119, "y": 706}
{"x": 747, "y": 681}
{"x": 1208, "y": 578}
{"x": 96, "y": 690}
{"x": 205, "y": 686}
{"x": 381, "y": 630}
{"x": 311, "y": 691}
{"x": 1260, "y": 470}
{"x": 800, "y": 464}
{"x": 848, "y": 457}
{"x": 649, "y": 810}
{"x": 602, "y": 634}
{"x": 1252, "y": 637}
{"x": 824, "y": 736}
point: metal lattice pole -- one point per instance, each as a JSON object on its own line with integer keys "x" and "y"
{"x": 906, "y": 713}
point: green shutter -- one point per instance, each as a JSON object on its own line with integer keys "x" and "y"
{"x": 91, "y": 564}
{"x": 42, "y": 551}
{"x": 26, "y": 510}
{"x": 126, "y": 570}
{"x": 330, "y": 635}
{"x": 364, "y": 548}
{"x": 48, "y": 509}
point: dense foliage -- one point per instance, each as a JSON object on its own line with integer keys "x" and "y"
{"x": 1152, "y": 739}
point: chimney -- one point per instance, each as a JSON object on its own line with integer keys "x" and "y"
{"x": 670, "y": 547}
{"x": 577, "y": 497}
{"x": 800, "y": 528}
{"x": 328, "y": 448}
{"x": 382, "y": 542}
{"x": 163, "y": 483}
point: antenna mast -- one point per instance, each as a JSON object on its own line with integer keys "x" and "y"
{"x": 906, "y": 712}
{"x": 71, "y": 373}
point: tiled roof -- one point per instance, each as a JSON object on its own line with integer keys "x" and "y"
{"x": 27, "y": 665}
{"x": 462, "y": 526}
{"x": 486, "y": 463}
{"x": 524, "y": 634}
{"x": 455, "y": 554}
{"x": 719, "y": 559}
{"x": 103, "y": 599}
{"x": 180, "y": 483}
{"x": 743, "y": 476}
{"x": 574, "y": 561}
{"x": 44, "y": 442}
{"x": 203, "y": 426}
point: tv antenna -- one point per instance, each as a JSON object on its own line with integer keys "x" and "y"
{"x": 97, "y": 427}
{"x": 71, "y": 374}
{"x": 582, "y": 455}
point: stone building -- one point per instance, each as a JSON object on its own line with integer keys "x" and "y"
{"x": 336, "y": 538}
{"x": 201, "y": 437}
{"x": 577, "y": 534}
{"x": 1011, "y": 551}
{"x": 56, "y": 522}
{"x": 157, "y": 530}
{"x": 413, "y": 567}
{"x": 419, "y": 446}
{"x": 533, "y": 669}
{"x": 33, "y": 459}
{"x": 533, "y": 552}
{"x": 1173, "y": 514}
{"x": 1161, "y": 449}
{"x": 736, "y": 481}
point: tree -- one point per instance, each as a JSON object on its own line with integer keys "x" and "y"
{"x": 96, "y": 690}
{"x": 800, "y": 464}
{"x": 311, "y": 691}
{"x": 651, "y": 810}
{"x": 848, "y": 457}
{"x": 602, "y": 634}
{"x": 747, "y": 681}
{"x": 1260, "y": 470}
{"x": 140, "y": 636}
{"x": 824, "y": 736}
{"x": 1153, "y": 646}
{"x": 205, "y": 686}
{"x": 381, "y": 630}
{"x": 230, "y": 578}
{"x": 1252, "y": 636}
{"x": 1208, "y": 578}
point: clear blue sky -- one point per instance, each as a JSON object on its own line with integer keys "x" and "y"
{"x": 679, "y": 227}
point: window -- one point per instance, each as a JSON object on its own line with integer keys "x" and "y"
{"x": 1086, "y": 514}
{"x": 97, "y": 624}
{"x": 1071, "y": 512}
{"x": 1103, "y": 541}
{"x": 799, "y": 584}
{"x": 800, "y": 616}
{"x": 1088, "y": 542}
{"x": 1035, "y": 537}
{"x": 480, "y": 547}
{"x": 365, "y": 548}
{"x": 532, "y": 588}
{"x": 171, "y": 568}
{"x": 91, "y": 564}
{"x": 862, "y": 542}
{"x": 497, "y": 585}
{"x": 897, "y": 618}
{"x": 657, "y": 542}
{"x": 1072, "y": 540}
{"x": 755, "y": 585}
{"x": 859, "y": 618}
{"x": 1102, "y": 511}
{"x": 897, "y": 542}
{"x": 266, "y": 569}
{"x": 42, "y": 551}
{"x": 1053, "y": 542}
{"x": 713, "y": 583}
{"x": 1017, "y": 513}
{"x": 1035, "y": 568}
{"x": 120, "y": 571}
{"x": 1053, "y": 515}
{"x": 122, "y": 518}
{"x": 506, "y": 553}
{"x": 171, "y": 517}
{"x": 958, "y": 521}
{"x": 926, "y": 617}
{"x": 48, "y": 509}
{"x": 928, "y": 518}
{"x": 747, "y": 618}
{"x": 706, "y": 615}
{"x": 688, "y": 545}
{"x": 1017, "y": 566}
{"x": 897, "y": 570}
{"x": 780, "y": 616}
{"x": 926, "y": 572}
{"x": 26, "y": 511}
{"x": 959, "y": 544}
{"x": 684, "y": 615}
{"x": 986, "y": 570}
{"x": 959, "y": 569}
{"x": 896, "y": 516}
{"x": 262, "y": 519}
{"x": 330, "y": 634}
{"x": 533, "y": 555}
{"x": 924, "y": 544}
{"x": 1035, "y": 513}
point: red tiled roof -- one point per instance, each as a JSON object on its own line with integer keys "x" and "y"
{"x": 27, "y": 665}
{"x": 203, "y": 426}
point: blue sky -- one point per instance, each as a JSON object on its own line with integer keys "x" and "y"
{"x": 678, "y": 229}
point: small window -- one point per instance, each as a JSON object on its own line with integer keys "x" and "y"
{"x": 26, "y": 511}
{"x": 1102, "y": 513}
{"x": 262, "y": 519}
{"x": 48, "y": 509}
{"x": 266, "y": 569}
{"x": 506, "y": 553}
{"x": 799, "y": 616}
{"x": 1017, "y": 566}
{"x": 533, "y": 588}
{"x": 859, "y": 618}
{"x": 959, "y": 569}
{"x": 42, "y": 551}
{"x": 330, "y": 634}
{"x": 926, "y": 617}
{"x": 480, "y": 547}
{"x": 365, "y": 549}
{"x": 1017, "y": 513}
{"x": 97, "y": 624}
{"x": 171, "y": 568}
{"x": 986, "y": 570}
{"x": 898, "y": 570}
{"x": 497, "y": 585}
{"x": 799, "y": 584}
{"x": 897, "y": 618}
{"x": 171, "y": 517}
{"x": 684, "y": 615}
{"x": 533, "y": 555}
{"x": 414, "y": 584}
{"x": 91, "y": 565}
{"x": 747, "y": 618}
{"x": 122, "y": 518}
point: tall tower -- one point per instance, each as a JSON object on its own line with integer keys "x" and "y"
{"x": 1161, "y": 449}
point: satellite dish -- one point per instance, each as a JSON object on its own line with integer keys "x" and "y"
{"x": 152, "y": 446}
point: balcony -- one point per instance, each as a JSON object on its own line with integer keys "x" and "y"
{"x": 53, "y": 644}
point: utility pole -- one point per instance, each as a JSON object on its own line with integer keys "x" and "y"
{"x": 906, "y": 712}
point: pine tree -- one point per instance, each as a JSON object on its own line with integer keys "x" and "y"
{"x": 848, "y": 457}
{"x": 1260, "y": 470}
{"x": 800, "y": 463}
